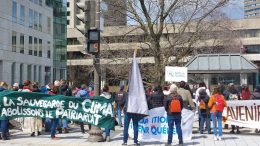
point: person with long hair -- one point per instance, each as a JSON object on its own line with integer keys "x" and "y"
{"x": 4, "y": 122}
{"x": 216, "y": 104}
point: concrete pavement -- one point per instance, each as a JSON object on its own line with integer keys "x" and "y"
{"x": 76, "y": 138}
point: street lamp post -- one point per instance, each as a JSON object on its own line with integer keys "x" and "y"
{"x": 95, "y": 134}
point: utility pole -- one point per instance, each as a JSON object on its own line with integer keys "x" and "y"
{"x": 95, "y": 134}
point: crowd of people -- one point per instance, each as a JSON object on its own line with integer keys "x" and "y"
{"x": 173, "y": 98}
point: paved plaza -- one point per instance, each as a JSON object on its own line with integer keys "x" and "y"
{"x": 76, "y": 138}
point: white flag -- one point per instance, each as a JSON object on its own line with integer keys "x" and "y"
{"x": 136, "y": 98}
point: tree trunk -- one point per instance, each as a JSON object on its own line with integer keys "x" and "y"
{"x": 158, "y": 62}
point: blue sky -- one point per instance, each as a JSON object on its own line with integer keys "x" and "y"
{"x": 235, "y": 9}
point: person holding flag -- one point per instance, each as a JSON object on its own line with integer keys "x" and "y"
{"x": 136, "y": 106}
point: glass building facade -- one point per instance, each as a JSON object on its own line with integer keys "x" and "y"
{"x": 60, "y": 38}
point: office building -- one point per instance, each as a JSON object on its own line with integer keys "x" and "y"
{"x": 26, "y": 41}
{"x": 252, "y": 8}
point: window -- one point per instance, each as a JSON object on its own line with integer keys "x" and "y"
{"x": 40, "y": 2}
{"x": 22, "y": 14}
{"x": 29, "y": 72}
{"x": 21, "y": 43}
{"x": 40, "y": 22}
{"x": 35, "y": 47}
{"x": 14, "y": 41}
{"x": 34, "y": 72}
{"x": 13, "y": 71}
{"x": 68, "y": 22}
{"x": 40, "y": 47}
{"x": 30, "y": 44}
{"x": 40, "y": 74}
{"x": 68, "y": 4}
{"x": 36, "y": 1}
{"x": 21, "y": 73}
{"x": 30, "y": 18}
{"x": 49, "y": 50}
{"x": 36, "y": 20}
{"x": 14, "y": 11}
{"x": 68, "y": 13}
{"x": 49, "y": 24}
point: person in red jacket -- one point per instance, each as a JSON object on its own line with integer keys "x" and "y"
{"x": 245, "y": 93}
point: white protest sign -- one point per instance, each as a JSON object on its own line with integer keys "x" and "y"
{"x": 176, "y": 74}
{"x": 155, "y": 126}
{"x": 243, "y": 113}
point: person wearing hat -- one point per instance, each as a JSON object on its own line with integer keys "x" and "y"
{"x": 15, "y": 87}
{"x": 174, "y": 117}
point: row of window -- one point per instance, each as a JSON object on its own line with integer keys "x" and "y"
{"x": 250, "y": 33}
{"x": 35, "y": 45}
{"x": 251, "y": 15}
{"x": 35, "y": 18}
{"x": 252, "y": 5}
{"x": 38, "y": 2}
{"x": 31, "y": 72}
{"x": 251, "y": 10}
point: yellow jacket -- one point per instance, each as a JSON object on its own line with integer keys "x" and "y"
{"x": 212, "y": 105}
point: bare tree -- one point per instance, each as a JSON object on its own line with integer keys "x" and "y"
{"x": 172, "y": 30}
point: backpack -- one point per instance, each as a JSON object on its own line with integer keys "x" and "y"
{"x": 219, "y": 103}
{"x": 175, "y": 105}
{"x": 203, "y": 99}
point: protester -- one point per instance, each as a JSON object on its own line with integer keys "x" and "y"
{"x": 27, "y": 122}
{"x": 204, "y": 110}
{"x": 157, "y": 98}
{"x": 173, "y": 105}
{"x": 64, "y": 89}
{"x": 216, "y": 104}
{"x": 4, "y": 122}
{"x": 186, "y": 96}
{"x": 245, "y": 93}
{"x": 36, "y": 123}
{"x": 105, "y": 93}
{"x": 120, "y": 103}
{"x": 54, "y": 121}
{"x": 15, "y": 87}
{"x": 202, "y": 86}
{"x": 91, "y": 91}
{"x": 83, "y": 93}
{"x": 127, "y": 118}
{"x": 256, "y": 96}
{"x": 232, "y": 94}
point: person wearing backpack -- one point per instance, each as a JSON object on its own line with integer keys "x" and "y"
{"x": 120, "y": 103}
{"x": 216, "y": 105}
{"x": 204, "y": 111}
{"x": 173, "y": 105}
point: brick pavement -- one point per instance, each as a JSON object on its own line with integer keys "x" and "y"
{"x": 75, "y": 138}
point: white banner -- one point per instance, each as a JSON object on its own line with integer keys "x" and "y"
{"x": 155, "y": 126}
{"x": 243, "y": 113}
{"x": 176, "y": 74}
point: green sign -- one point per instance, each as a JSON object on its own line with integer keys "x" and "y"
{"x": 97, "y": 111}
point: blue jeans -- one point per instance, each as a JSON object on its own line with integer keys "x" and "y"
{"x": 63, "y": 123}
{"x": 47, "y": 124}
{"x": 127, "y": 119}
{"x": 54, "y": 124}
{"x": 217, "y": 119}
{"x": 119, "y": 111}
{"x": 107, "y": 132}
{"x": 4, "y": 128}
{"x": 204, "y": 118}
{"x": 177, "y": 121}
